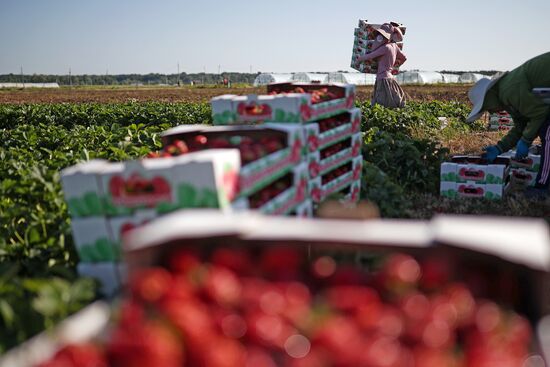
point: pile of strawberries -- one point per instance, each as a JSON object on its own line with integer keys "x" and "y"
{"x": 335, "y": 148}
{"x": 251, "y": 149}
{"x": 333, "y": 122}
{"x": 317, "y": 95}
{"x": 271, "y": 306}
{"x": 335, "y": 173}
{"x": 268, "y": 193}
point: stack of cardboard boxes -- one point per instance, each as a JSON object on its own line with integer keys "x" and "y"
{"x": 365, "y": 35}
{"x": 106, "y": 199}
{"x": 283, "y": 153}
{"x": 473, "y": 177}
{"x": 500, "y": 121}
{"x": 329, "y": 122}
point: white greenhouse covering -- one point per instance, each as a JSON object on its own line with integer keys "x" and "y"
{"x": 419, "y": 77}
{"x": 471, "y": 77}
{"x": 29, "y": 85}
{"x": 351, "y": 78}
{"x": 450, "y": 78}
{"x": 267, "y": 78}
{"x": 308, "y": 78}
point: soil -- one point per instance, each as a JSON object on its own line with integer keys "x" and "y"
{"x": 196, "y": 94}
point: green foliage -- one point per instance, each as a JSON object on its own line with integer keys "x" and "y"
{"x": 35, "y": 238}
{"x": 411, "y": 163}
{"x": 380, "y": 189}
{"x": 28, "y": 306}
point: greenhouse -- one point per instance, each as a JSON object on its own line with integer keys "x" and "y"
{"x": 308, "y": 77}
{"x": 267, "y": 78}
{"x": 351, "y": 78}
{"x": 419, "y": 77}
{"x": 471, "y": 77}
{"x": 450, "y": 78}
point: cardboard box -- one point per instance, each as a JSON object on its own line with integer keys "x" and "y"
{"x": 163, "y": 184}
{"x": 370, "y": 28}
{"x": 120, "y": 225}
{"x": 82, "y": 188}
{"x": 500, "y": 121}
{"x": 346, "y": 125}
{"x": 351, "y": 148}
{"x": 483, "y": 242}
{"x": 472, "y": 177}
{"x": 448, "y": 189}
{"x": 111, "y": 276}
{"x": 94, "y": 240}
{"x": 201, "y": 179}
{"x": 304, "y": 210}
{"x": 475, "y": 169}
{"x": 365, "y": 35}
{"x": 522, "y": 177}
{"x": 259, "y": 173}
{"x": 279, "y": 107}
{"x": 320, "y": 190}
{"x": 494, "y": 247}
{"x": 286, "y": 201}
{"x": 531, "y": 163}
{"x": 472, "y": 190}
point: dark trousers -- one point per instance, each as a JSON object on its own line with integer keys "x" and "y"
{"x": 543, "y": 177}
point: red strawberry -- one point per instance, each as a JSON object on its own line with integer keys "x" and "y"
{"x": 146, "y": 344}
{"x": 281, "y": 262}
{"x": 222, "y": 286}
{"x": 181, "y": 146}
{"x": 235, "y": 259}
{"x": 150, "y": 285}
{"x": 81, "y": 355}
{"x": 314, "y": 169}
{"x": 184, "y": 261}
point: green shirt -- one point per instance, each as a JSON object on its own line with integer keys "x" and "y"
{"x": 513, "y": 93}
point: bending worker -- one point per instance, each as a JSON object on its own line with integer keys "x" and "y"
{"x": 512, "y": 92}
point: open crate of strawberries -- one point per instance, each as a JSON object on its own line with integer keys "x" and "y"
{"x": 284, "y": 102}
{"x": 258, "y": 291}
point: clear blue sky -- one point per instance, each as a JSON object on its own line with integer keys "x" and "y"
{"x": 138, "y": 36}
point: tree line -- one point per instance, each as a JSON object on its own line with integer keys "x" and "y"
{"x": 131, "y": 79}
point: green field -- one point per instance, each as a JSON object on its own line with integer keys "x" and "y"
{"x": 403, "y": 151}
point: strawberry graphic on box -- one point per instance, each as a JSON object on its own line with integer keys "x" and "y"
{"x": 313, "y": 142}
{"x": 314, "y": 167}
{"x": 230, "y": 182}
{"x": 356, "y": 123}
{"x": 253, "y": 109}
{"x": 301, "y": 190}
{"x": 350, "y": 100}
{"x": 137, "y": 190}
{"x": 471, "y": 191}
{"x": 296, "y": 151}
{"x": 471, "y": 174}
{"x": 357, "y": 172}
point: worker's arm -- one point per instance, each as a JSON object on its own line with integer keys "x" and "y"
{"x": 374, "y": 54}
{"x": 531, "y": 114}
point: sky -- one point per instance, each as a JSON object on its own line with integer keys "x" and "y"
{"x": 138, "y": 36}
